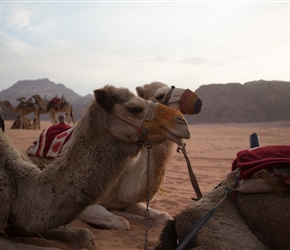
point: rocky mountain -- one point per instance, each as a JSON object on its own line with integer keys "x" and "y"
{"x": 256, "y": 101}
{"x": 45, "y": 88}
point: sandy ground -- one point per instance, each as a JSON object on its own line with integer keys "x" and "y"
{"x": 211, "y": 150}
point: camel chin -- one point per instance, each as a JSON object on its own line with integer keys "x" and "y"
{"x": 171, "y": 136}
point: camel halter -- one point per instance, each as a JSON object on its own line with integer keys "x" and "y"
{"x": 186, "y": 101}
{"x": 143, "y": 130}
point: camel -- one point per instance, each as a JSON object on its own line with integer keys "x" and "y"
{"x": 129, "y": 194}
{"x": 242, "y": 221}
{"x": 112, "y": 130}
{"x": 23, "y": 109}
{"x": 28, "y": 124}
{"x": 65, "y": 107}
{"x": 128, "y": 199}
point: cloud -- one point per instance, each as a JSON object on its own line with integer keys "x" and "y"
{"x": 174, "y": 60}
{"x": 19, "y": 19}
{"x": 194, "y": 60}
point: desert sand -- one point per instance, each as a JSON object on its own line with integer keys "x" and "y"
{"x": 211, "y": 150}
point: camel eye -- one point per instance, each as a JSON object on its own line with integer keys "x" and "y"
{"x": 160, "y": 97}
{"x": 135, "y": 109}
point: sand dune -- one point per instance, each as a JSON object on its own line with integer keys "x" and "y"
{"x": 211, "y": 150}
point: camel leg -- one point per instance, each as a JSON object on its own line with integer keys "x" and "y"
{"x": 101, "y": 217}
{"x": 136, "y": 212}
{"x": 68, "y": 119}
{"x": 10, "y": 245}
{"x": 77, "y": 238}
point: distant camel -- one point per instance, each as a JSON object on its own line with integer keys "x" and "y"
{"x": 64, "y": 106}
{"x": 111, "y": 131}
{"x": 243, "y": 221}
{"x": 129, "y": 193}
{"x": 22, "y": 109}
{"x": 27, "y": 123}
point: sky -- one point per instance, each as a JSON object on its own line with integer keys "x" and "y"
{"x": 88, "y": 44}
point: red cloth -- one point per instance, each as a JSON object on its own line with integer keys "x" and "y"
{"x": 251, "y": 161}
{"x": 54, "y": 100}
{"x": 51, "y": 141}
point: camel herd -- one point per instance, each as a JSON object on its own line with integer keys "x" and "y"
{"x": 85, "y": 181}
{"x": 37, "y": 107}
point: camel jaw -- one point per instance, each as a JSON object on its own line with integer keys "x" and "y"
{"x": 178, "y": 136}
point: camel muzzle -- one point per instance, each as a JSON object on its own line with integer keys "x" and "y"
{"x": 189, "y": 103}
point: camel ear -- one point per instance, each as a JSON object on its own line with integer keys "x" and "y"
{"x": 104, "y": 99}
{"x": 140, "y": 91}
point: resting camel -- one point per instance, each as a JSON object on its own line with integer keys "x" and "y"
{"x": 128, "y": 199}
{"x": 112, "y": 130}
{"x": 129, "y": 193}
{"x": 28, "y": 124}
{"x": 23, "y": 109}
{"x": 242, "y": 221}
{"x": 65, "y": 107}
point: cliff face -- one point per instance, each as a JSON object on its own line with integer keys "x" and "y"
{"x": 257, "y": 101}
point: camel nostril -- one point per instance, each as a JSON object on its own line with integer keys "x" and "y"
{"x": 197, "y": 106}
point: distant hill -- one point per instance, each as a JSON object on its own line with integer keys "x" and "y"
{"x": 256, "y": 101}
{"x": 43, "y": 87}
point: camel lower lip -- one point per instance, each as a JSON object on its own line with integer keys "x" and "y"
{"x": 174, "y": 138}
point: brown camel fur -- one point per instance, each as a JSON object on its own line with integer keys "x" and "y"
{"x": 113, "y": 129}
{"x": 242, "y": 221}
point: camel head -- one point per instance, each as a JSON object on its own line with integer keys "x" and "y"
{"x": 144, "y": 120}
{"x": 184, "y": 100}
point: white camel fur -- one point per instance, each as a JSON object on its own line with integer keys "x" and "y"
{"x": 127, "y": 198}
{"x": 104, "y": 139}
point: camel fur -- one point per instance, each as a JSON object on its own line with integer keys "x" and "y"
{"x": 129, "y": 194}
{"x": 127, "y": 201}
{"x": 104, "y": 139}
{"x": 242, "y": 221}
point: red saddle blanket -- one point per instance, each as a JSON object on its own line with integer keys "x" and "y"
{"x": 51, "y": 141}
{"x": 251, "y": 161}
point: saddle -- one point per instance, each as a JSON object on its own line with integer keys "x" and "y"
{"x": 263, "y": 169}
{"x": 25, "y": 104}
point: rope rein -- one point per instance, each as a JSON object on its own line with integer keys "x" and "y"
{"x": 193, "y": 179}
